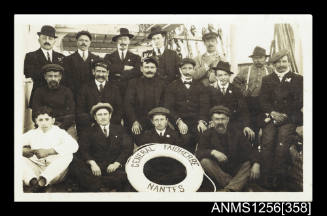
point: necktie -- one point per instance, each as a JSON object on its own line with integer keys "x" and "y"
{"x": 101, "y": 88}
{"x": 122, "y": 55}
{"x": 223, "y": 90}
{"x": 159, "y": 53}
{"x": 105, "y": 131}
{"x": 161, "y": 133}
{"x": 48, "y": 56}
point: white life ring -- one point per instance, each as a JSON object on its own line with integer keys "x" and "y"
{"x": 135, "y": 164}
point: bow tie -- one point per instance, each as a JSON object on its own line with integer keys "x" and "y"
{"x": 187, "y": 82}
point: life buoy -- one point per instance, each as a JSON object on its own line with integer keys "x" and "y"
{"x": 135, "y": 164}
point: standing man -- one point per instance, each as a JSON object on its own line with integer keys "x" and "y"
{"x": 249, "y": 82}
{"x": 225, "y": 154}
{"x": 99, "y": 89}
{"x": 34, "y": 61}
{"x": 56, "y": 96}
{"x": 188, "y": 102}
{"x": 142, "y": 95}
{"x": 205, "y": 62}
{"x": 78, "y": 66}
{"x": 105, "y": 148}
{"x": 124, "y": 65}
{"x": 168, "y": 59}
{"x": 281, "y": 99}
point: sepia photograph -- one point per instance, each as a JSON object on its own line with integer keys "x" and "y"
{"x": 163, "y": 107}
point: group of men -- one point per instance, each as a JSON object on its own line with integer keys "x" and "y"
{"x": 108, "y": 105}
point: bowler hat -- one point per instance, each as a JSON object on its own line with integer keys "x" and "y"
{"x": 100, "y": 105}
{"x": 151, "y": 59}
{"x": 220, "y": 110}
{"x": 158, "y": 110}
{"x": 122, "y": 32}
{"x": 275, "y": 57}
{"x": 48, "y": 31}
{"x": 100, "y": 62}
{"x": 83, "y": 33}
{"x": 52, "y": 67}
{"x": 187, "y": 61}
{"x": 156, "y": 30}
{"x": 258, "y": 51}
{"x": 225, "y": 66}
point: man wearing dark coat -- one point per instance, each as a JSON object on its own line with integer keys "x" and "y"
{"x": 281, "y": 100}
{"x": 78, "y": 66}
{"x": 168, "y": 59}
{"x": 225, "y": 154}
{"x": 188, "y": 103}
{"x": 35, "y": 60}
{"x": 104, "y": 150}
{"x": 142, "y": 95}
{"x": 123, "y": 64}
{"x": 98, "y": 90}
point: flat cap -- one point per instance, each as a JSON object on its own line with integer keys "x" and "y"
{"x": 278, "y": 55}
{"x": 52, "y": 67}
{"x": 158, "y": 110}
{"x": 151, "y": 59}
{"x": 100, "y": 62}
{"x": 83, "y": 33}
{"x": 220, "y": 110}
{"x": 187, "y": 61}
{"x": 99, "y": 106}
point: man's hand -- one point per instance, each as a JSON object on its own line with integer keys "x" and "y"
{"x": 127, "y": 67}
{"x": 95, "y": 168}
{"x": 42, "y": 153}
{"x": 249, "y": 133}
{"x": 182, "y": 127}
{"x": 136, "y": 128}
{"x": 201, "y": 127}
{"x": 113, "y": 167}
{"x": 211, "y": 124}
{"x": 299, "y": 131}
{"x": 278, "y": 117}
{"x": 255, "y": 171}
{"x": 221, "y": 157}
{"x": 27, "y": 151}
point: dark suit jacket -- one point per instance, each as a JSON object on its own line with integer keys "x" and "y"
{"x": 234, "y": 100}
{"x": 239, "y": 148}
{"x": 170, "y": 137}
{"x": 168, "y": 64}
{"x": 95, "y": 146}
{"x": 192, "y": 104}
{"x": 77, "y": 71}
{"x": 89, "y": 96}
{"x": 285, "y": 96}
{"x": 33, "y": 63}
{"x": 134, "y": 98}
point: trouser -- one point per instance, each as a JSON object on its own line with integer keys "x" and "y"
{"x": 224, "y": 179}
{"x": 146, "y": 125}
{"x": 53, "y": 168}
{"x": 253, "y": 105}
{"x": 190, "y": 139}
{"x": 275, "y": 153}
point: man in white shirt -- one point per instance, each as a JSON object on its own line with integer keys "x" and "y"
{"x": 47, "y": 152}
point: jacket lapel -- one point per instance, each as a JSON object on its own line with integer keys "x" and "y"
{"x": 100, "y": 135}
{"x": 41, "y": 57}
{"x": 128, "y": 55}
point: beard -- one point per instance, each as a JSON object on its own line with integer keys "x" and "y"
{"x": 100, "y": 77}
{"x": 53, "y": 84}
{"x": 220, "y": 128}
{"x": 258, "y": 65}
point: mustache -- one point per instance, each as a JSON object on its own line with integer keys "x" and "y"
{"x": 220, "y": 126}
{"x": 149, "y": 73}
{"x": 83, "y": 44}
{"x": 46, "y": 43}
{"x": 99, "y": 76}
{"x": 53, "y": 84}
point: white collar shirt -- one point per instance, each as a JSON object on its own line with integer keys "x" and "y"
{"x": 46, "y": 55}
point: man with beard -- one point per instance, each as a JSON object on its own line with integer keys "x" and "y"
{"x": 142, "y": 95}
{"x": 188, "y": 103}
{"x": 78, "y": 66}
{"x": 225, "y": 154}
{"x": 281, "y": 99}
{"x": 168, "y": 60}
{"x": 123, "y": 64}
{"x": 97, "y": 90}
{"x": 249, "y": 81}
{"x": 205, "y": 62}
{"x": 34, "y": 61}
{"x": 56, "y": 96}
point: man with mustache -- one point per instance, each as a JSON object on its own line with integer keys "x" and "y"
{"x": 99, "y": 89}
{"x": 124, "y": 65}
{"x": 205, "y": 62}
{"x": 78, "y": 66}
{"x": 281, "y": 100}
{"x": 225, "y": 154}
{"x": 188, "y": 102}
{"x": 34, "y": 61}
{"x": 249, "y": 81}
{"x": 142, "y": 95}
{"x": 56, "y": 96}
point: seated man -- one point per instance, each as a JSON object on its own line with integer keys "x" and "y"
{"x": 58, "y": 97}
{"x": 47, "y": 151}
{"x": 105, "y": 148}
{"x": 225, "y": 153}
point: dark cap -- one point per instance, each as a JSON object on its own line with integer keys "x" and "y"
{"x": 48, "y": 31}
{"x": 100, "y": 62}
{"x": 100, "y": 105}
{"x": 52, "y": 67}
{"x": 83, "y": 33}
{"x": 259, "y": 52}
{"x": 187, "y": 61}
{"x": 275, "y": 57}
{"x": 150, "y": 59}
{"x": 122, "y": 32}
{"x": 156, "y": 30}
{"x": 220, "y": 110}
{"x": 159, "y": 110}
{"x": 224, "y": 66}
